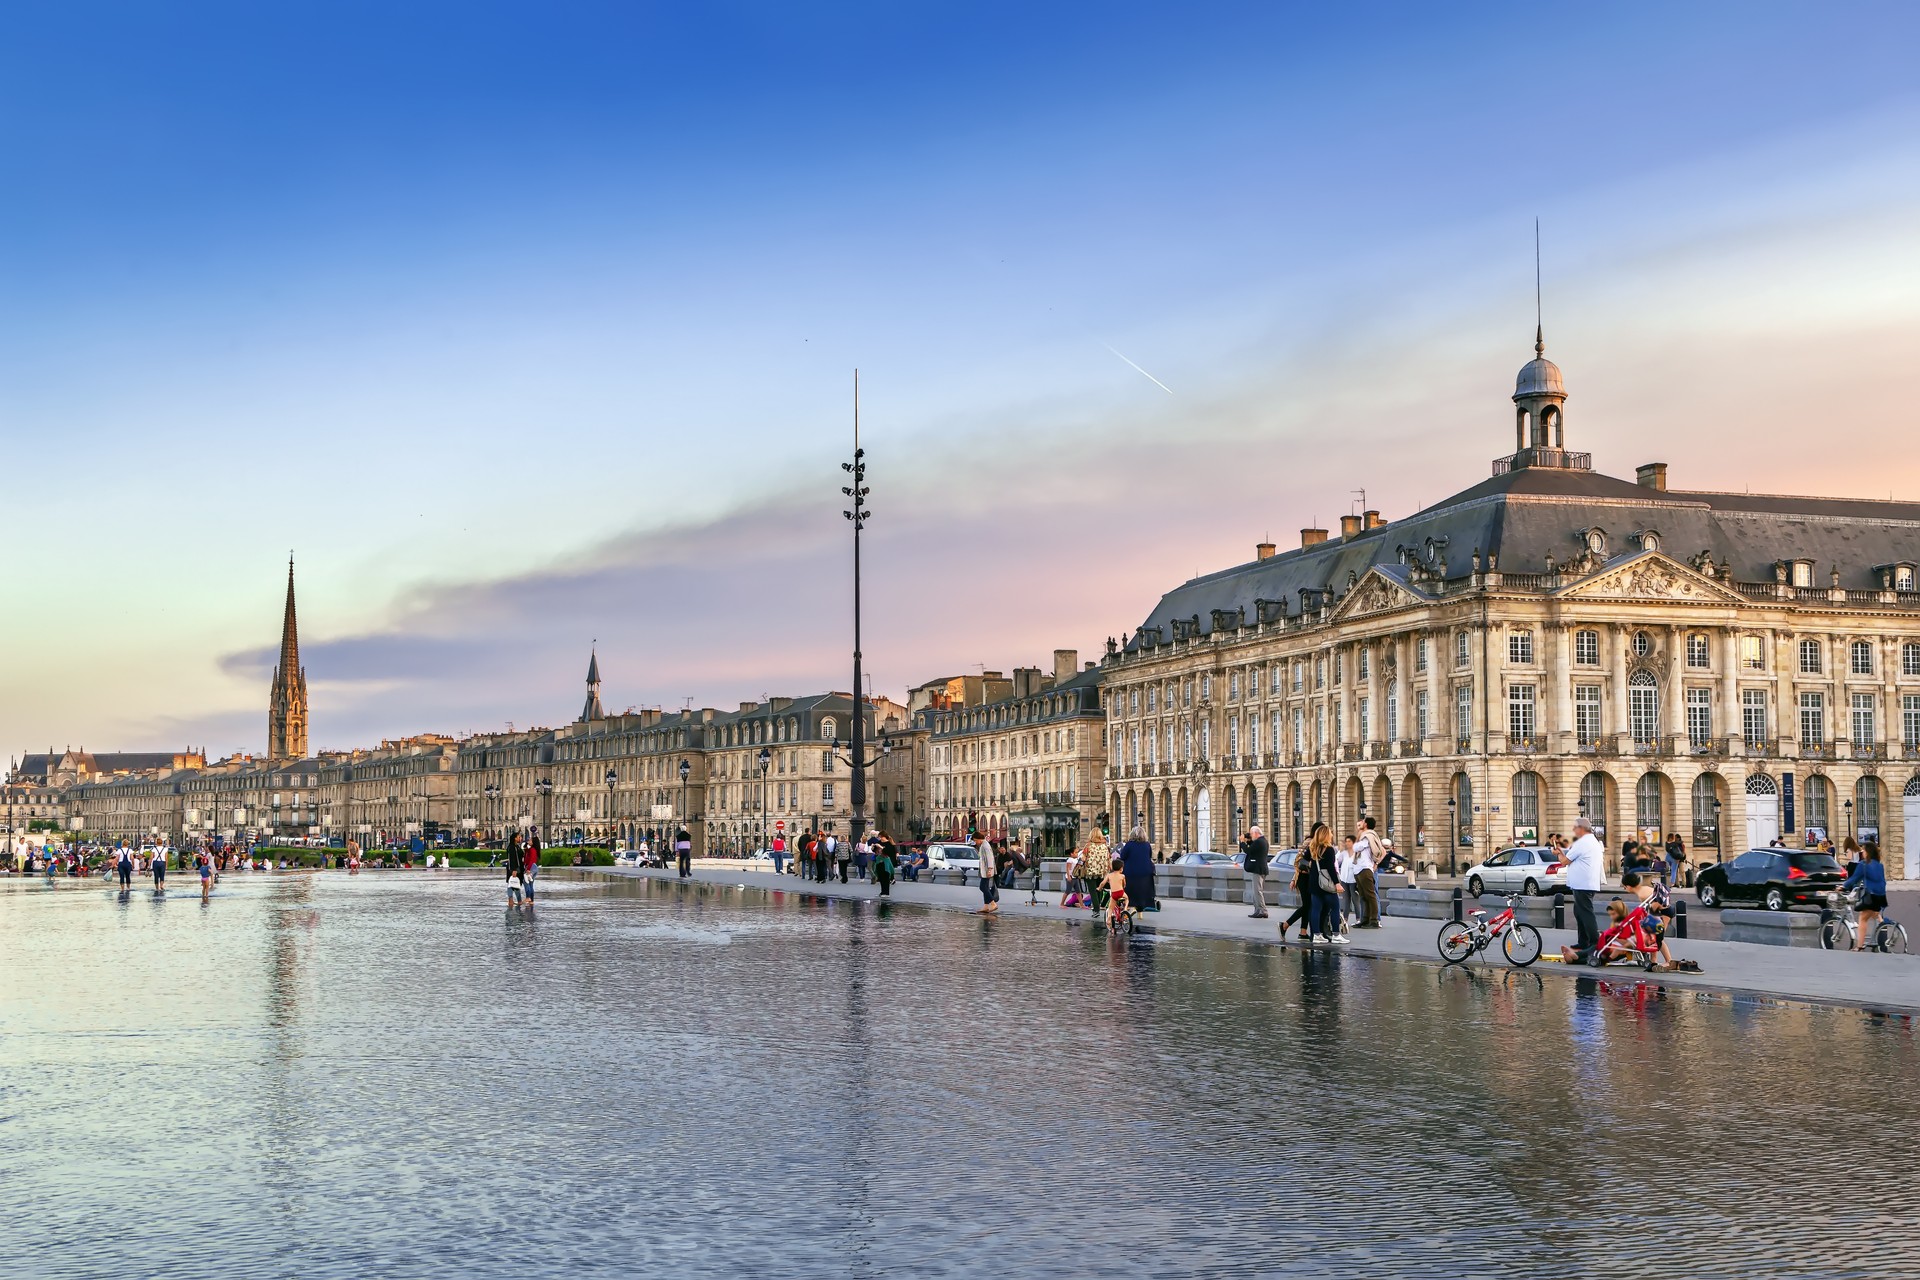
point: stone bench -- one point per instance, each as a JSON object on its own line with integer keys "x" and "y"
{"x": 1771, "y": 928}
{"x": 1418, "y": 904}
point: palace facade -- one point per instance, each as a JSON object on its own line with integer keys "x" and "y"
{"x": 1548, "y": 642}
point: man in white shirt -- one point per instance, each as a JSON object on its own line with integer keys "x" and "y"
{"x": 1586, "y": 876}
{"x": 1363, "y": 863}
{"x": 1349, "y": 892}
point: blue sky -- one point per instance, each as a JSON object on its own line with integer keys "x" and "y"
{"x": 530, "y": 325}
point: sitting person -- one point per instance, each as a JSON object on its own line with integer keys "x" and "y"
{"x": 1616, "y": 916}
{"x": 1652, "y": 893}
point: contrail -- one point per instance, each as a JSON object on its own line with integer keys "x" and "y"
{"x": 1143, "y": 373}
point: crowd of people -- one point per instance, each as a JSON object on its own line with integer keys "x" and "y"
{"x": 875, "y": 858}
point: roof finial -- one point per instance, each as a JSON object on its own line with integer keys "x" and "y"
{"x": 1539, "y": 329}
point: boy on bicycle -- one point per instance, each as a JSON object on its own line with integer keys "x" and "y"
{"x": 1116, "y": 886}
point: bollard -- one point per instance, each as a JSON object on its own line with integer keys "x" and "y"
{"x": 1459, "y": 905}
{"x": 1679, "y": 919}
{"x": 1559, "y": 910}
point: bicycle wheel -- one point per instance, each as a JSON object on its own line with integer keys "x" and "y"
{"x": 1522, "y": 945}
{"x": 1890, "y": 937}
{"x": 1456, "y": 942}
{"x": 1835, "y": 935}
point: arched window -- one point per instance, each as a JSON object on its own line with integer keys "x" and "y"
{"x": 828, "y": 729}
{"x": 1649, "y": 811}
{"x": 1818, "y": 807}
{"x": 1866, "y": 808}
{"x": 1759, "y": 784}
{"x": 1526, "y": 804}
{"x": 1643, "y": 706}
{"x": 1706, "y": 811}
{"x": 1593, "y": 802}
{"x": 1551, "y": 431}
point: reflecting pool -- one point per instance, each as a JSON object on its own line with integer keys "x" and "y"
{"x": 392, "y": 1075}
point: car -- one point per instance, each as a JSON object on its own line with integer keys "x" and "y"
{"x": 1529, "y": 869}
{"x": 1280, "y": 863}
{"x": 952, "y": 857}
{"x": 1203, "y": 860}
{"x": 1775, "y": 878}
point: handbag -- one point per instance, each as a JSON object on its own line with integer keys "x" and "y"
{"x": 1323, "y": 881}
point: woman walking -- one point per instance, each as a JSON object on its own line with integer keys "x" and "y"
{"x": 1326, "y": 885}
{"x": 1136, "y": 860}
{"x": 882, "y": 850}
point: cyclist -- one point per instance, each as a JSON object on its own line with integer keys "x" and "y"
{"x": 1869, "y": 876}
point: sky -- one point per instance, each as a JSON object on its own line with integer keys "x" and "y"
{"x": 529, "y": 328}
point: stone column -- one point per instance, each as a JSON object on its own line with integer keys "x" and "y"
{"x": 1676, "y": 695}
{"x": 1618, "y": 636}
{"x": 1729, "y": 692}
{"x": 1560, "y": 678}
{"x": 1438, "y": 661}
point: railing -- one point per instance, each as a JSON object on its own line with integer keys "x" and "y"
{"x": 1411, "y": 747}
{"x": 1462, "y": 745}
{"x": 1350, "y": 751}
{"x": 1654, "y": 747}
{"x": 1529, "y": 581}
{"x": 1525, "y": 742}
{"x": 1712, "y": 747}
{"x": 1377, "y": 750}
{"x": 1869, "y": 751}
{"x": 1818, "y": 751}
{"x": 1763, "y": 747}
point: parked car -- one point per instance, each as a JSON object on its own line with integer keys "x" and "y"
{"x": 1529, "y": 869}
{"x": 1777, "y": 878}
{"x": 953, "y": 857}
{"x": 1203, "y": 860}
{"x": 1280, "y": 863}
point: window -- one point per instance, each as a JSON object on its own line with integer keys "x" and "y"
{"x": 827, "y": 729}
{"x": 1134, "y": 707}
{"x": 1339, "y": 668}
{"x": 1299, "y": 730}
{"x": 1810, "y": 657}
{"x": 1320, "y": 727}
{"x": 1420, "y": 713}
{"x": 1253, "y": 735}
{"x": 1233, "y": 686}
{"x": 1699, "y": 715}
{"x": 1648, "y": 809}
{"x": 1365, "y": 721}
{"x": 1866, "y": 808}
{"x": 1753, "y": 716}
{"x": 826, "y": 795}
{"x": 1520, "y": 647}
{"x": 1339, "y": 722}
{"x": 1526, "y": 800}
{"x": 1463, "y": 711}
{"x": 1320, "y": 671}
{"x": 1151, "y": 691}
{"x": 1813, "y": 719}
{"x": 1393, "y": 713}
{"x": 1462, "y": 648}
{"x": 1364, "y": 667}
{"x": 1233, "y": 736}
{"x": 1419, "y": 653}
{"x": 1803, "y": 573}
{"x": 1903, "y": 577}
{"x": 1299, "y": 675}
{"x": 1818, "y": 793}
{"x": 1520, "y": 712}
{"x": 1910, "y": 659}
{"x": 1186, "y": 693}
{"x": 1863, "y": 735}
{"x": 1593, "y": 801}
{"x": 1706, "y": 811}
{"x": 1642, "y": 644}
{"x": 1463, "y": 806}
{"x": 1206, "y": 687}
{"x": 1697, "y": 651}
{"x": 1276, "y": 669}
{"x": 1586, "y": 648}
{"x": 826, "y": 762}
{"x": 1586, "y": 714}
{"x": 1910, "y": 721}
{"x": 1860, "y": 658}
{"x": 1643, "y": 707}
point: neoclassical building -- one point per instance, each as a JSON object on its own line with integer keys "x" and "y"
{"x": 1547, "y": 642}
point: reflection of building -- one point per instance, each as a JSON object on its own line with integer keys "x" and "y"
{"x": 1547, "y": 641}
{"x": 1027, "y": 763}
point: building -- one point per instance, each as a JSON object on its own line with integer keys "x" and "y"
{"x": 287, "y": 699}
{"x": 1027, "y": 763}
{"x": 1547, "y": 642}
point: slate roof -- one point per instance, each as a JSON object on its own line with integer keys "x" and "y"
{"x": 1526, "y": 514}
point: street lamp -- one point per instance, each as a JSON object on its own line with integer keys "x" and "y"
{"x": 545, "y": 788}
{"x": 766, "y": 760}
{"x": 858, "y": 514}
{"x": 612, "y": 777}
{"x": 1453, "y": 837}
{"x": 492, "y": 792}
{"x": 1848, "y": 806}
{"x": 685, "y": 769}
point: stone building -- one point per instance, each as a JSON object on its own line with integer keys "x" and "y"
{"x": 1550, "y": 641}
{"x": 1026, "y": 764}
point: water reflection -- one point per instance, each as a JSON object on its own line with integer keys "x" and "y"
{"x": 352, "y": 1076}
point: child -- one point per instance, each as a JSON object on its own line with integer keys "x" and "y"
{"x": 1116, "y": 886}
{"x": 1658, "y": 900}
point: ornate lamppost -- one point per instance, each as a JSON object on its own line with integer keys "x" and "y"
{"x": 613, "y": 776}
{"x": 766, "y": 760}
{"x": 685, "y": 769}
{"x": 1453, "y": 835}
{"x": 492, "y": 792}
{"x": 858, "y": 514}
{"x": 545, "y": 788}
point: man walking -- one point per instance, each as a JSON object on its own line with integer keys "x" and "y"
{"x": 683, "y": 851}
{"x": 1366, "y": 857}
{"x": 989, "y": 879}
{"x": 1254, "y": 858}
{"x": 1586, "y": 876}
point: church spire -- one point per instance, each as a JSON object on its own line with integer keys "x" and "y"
{"x": 593, "y": 710}
{"x": 287, "y": 701}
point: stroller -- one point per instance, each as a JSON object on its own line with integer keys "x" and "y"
{"x": 1632, "y": 935}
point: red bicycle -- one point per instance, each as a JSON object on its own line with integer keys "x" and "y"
{"x": 1460, "y": 939}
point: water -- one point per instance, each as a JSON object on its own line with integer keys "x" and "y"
{"x": 388, "y": 1075}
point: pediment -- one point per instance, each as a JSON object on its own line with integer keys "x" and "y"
{"x": 1650, "y": 575}
{"x": 1375, "y": 593}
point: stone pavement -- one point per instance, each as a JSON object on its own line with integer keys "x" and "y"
{"x": 1867, "y": 981}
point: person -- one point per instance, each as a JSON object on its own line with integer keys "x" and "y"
{"x": 1616, "y": 916}
{"x": 779, "y": 853}
{"x": 1349, "y": 894}
{"x": 1651, "y": 893}
{"x": 159, "y": 869}
{"x": 862, "y": 855}
{"x": 1869, "y": 876}
{"x": 1365, "y": 859}
{"x": 530, "y": 857}
{"x": 1306, "y": 873}
{"x": 1327, "y": 888}
{"x": 1136, "y": 858}
{"x": 1676, "y": 857}
{"x": 206, "y": 876}
{"x": 516, "y": 872}
{"x": 989, "y": 878}
{"x": 124, "y": 865}
{"x": 1255, "y": 854}
{"x": 882, "y": 852}
{"x": 682, "y": 852}
{"x": 1116, "y": 886}
{"x": 1070, "y": 885}
{"x": 1586, "y": 876}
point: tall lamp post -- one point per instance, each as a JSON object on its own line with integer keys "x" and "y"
{"x": 1848, "y": 806}
{"x": 858, "y": 514}
{"x": 492, "y": 792}
{"x": 545, "y": 788}
{"x": 612, "y": 777}
{"x": 1453, "y": 836}
{"x": 685, "y": 769}
{"x": 766, "y": 760}
{"x": 859, "y": 763}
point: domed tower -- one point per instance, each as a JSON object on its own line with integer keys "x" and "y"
{"x": 1539, "y": 416}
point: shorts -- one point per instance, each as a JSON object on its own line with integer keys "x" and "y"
{"x": 1873, "y": 902}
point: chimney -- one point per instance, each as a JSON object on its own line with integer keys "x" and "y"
{"x": 1652, "y": 475}
{"x": 1065, "y": 663}
{"x": 1263, "y": 551}
{"x": 1349, "y": 526}
{"x": 1375, "y": 520}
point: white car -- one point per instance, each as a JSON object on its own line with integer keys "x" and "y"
{"x": 1528, "y": 869}
{"x": 953, "y": 857}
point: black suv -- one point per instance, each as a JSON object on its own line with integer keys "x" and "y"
{"x": 1779, "y": 878}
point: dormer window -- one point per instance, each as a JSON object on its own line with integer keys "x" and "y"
{"x": 1595, "y": 541}
{"x": 1649, "y": 540}
{"x": 1903, "y": 577}
{"x": 1802, "y": 571}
